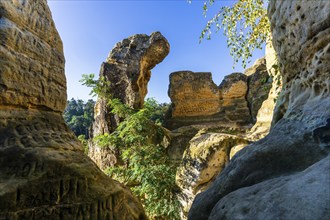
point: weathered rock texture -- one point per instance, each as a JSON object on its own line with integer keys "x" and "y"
{"x": 260, "y": 83}
{"x": 286, "y": 174}
{"x": 265, "y": 113}
{"x": 44, "y": 173}
{"x": 193, "y": 94}
{"x": 205, "y": 157}
{"x": 223, "y": 114}
{"x": 128, "y": 71}
{"x": 197, "y": 100}
{"x": 234, "y": 105}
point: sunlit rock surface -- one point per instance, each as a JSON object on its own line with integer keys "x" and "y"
{"x": 223, "y": 114}
{"x": 264, "y": 115}
{"x": 286, "y": 174}
{"x": 127, "y": 71}
{"x": 206, "y": 156}
{"x": 44, "y": 173}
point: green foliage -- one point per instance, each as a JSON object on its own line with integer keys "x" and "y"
{"x": 147, "y": 169}
{"x": 144, "y": 165}
{"x": 79, "y": 116}
{"x": 84, "y": 142}
{"x": 245, "y": 24}
{"x": 99, "y": 87}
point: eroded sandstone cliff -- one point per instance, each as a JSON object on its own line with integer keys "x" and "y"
{"x": 44, "y": 173}
{"x": 213, "y": 123}
{"x": 287, "y": 173}
{"x": 127, "y": 72}
{"x": 196, "y": 100}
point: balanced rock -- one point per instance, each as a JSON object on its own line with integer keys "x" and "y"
{"x": 44, "y": 173}
{"x": 128, "y": 71}
{"x": 286, "y": 174}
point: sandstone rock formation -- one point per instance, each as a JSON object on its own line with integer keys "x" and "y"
{"x": 234, "y": 90}
{"x": 44, "y": 173}
{"x": 196, "y": 100}
{"x": 193, "y": 94}
{"x": 205, "y": 157}
{"x": 221, "y": 113}
{"x": 128, "y": 71}
{"x": 260, "y": 83}
{"x": 264, "y": 116}
{"x": 286, "y": 174}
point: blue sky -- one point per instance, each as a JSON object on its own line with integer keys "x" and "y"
{"x": 90, "y": 29}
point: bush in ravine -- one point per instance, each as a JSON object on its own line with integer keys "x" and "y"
{"x": 146, "y": 167}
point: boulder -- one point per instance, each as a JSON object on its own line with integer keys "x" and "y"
{"x": 44, "y": 173}
{"x": 286, "y": 174}
{"x": 282, "y": 196}
{"x": 205, "y": 157}
{"x": 126, "y": 73}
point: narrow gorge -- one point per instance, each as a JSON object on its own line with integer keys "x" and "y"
{"x": 255, "y": 146}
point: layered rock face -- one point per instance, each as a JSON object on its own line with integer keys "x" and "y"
{"x": 219, "y": 120}
{"x": 193, "y": 94}
{"x": 127, "y": 72}
{"x": 234, "y": 105}
{"x": 236, "y": 101}
{"x": 286, "y": 174}
{"x": 44, "y": 173}
{"x": 197, "y": 100}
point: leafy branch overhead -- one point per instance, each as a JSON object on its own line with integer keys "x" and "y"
{"x": 245, "y": 25}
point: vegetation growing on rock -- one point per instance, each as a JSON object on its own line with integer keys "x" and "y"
{"x": 142, "y": 162}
